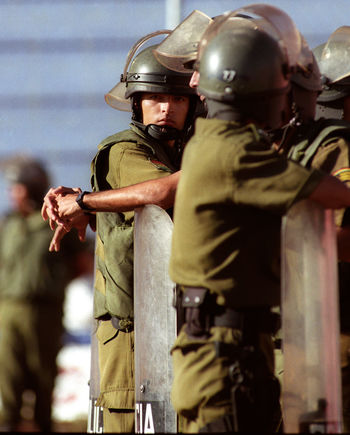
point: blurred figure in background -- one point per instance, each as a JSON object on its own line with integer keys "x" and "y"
{"x": 71, "y": 392}
{"x": 32, "y": 285}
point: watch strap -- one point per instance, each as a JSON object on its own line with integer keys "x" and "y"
{"x": 80, "y": 200}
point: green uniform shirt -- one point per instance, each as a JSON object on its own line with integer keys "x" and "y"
{"x": 325, "y": 144}
{"x": 126, "y": 158}
{"x": 232, "y": 193}
{"x": 28, "y": 271}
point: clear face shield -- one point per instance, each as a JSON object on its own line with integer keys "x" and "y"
{"x": 187, "y": 42}
{"x": 270, "y": 19}
{"x": 116, "y": 96}
{"x": 334, "y": 59}
{"x": 179, "y": 50}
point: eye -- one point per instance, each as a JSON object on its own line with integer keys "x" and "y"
{"x": 154, "y": 97}
{"x": 180, "y": 98}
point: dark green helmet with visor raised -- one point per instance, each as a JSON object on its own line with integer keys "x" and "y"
{"x": 186, "y": 45}
{"x": 243, "y": 69}
{"x": 143, "y": 73}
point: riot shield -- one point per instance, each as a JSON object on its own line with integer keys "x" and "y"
{"x": 311, "y": 396}
{"x": 155, "y": 321}
{"x": 95, "y": 413}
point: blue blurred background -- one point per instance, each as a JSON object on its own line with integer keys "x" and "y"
{"x": 59, "y": 57}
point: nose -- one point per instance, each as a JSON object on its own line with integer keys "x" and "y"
{"x": 194, "y": 80}
{"x": 167, "y": 105}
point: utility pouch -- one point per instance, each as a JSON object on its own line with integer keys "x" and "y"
{"x": 196, "y": 316}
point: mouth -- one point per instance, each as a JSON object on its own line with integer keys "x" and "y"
{"x": 166, "y": 121}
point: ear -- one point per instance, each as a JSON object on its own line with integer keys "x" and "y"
{"x": 137, "y": 107}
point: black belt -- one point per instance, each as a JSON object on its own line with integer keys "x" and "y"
{"x": 260, "y": 319}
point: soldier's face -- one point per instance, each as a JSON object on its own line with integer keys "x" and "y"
{"x": 165, "y": 109}
{"x": 19, "y": 196}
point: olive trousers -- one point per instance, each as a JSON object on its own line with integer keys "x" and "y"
{"x": 202, "y": 386}
{"x": 117, "y": 383}
{"x": 30, "y": 338}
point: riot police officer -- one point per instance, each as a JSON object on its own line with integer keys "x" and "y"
{"x": 163, "y": 107}
{"x": 226, "y": 237}
{"x": 334, "y": 109}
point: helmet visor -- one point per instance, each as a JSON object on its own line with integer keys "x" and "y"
{"x": 178, "y": 51}
{"x": 334, "y": 61}
{"x": 116, "y": 98}
{"x": 269, "y": 18}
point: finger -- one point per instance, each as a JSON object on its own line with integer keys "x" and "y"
{"x": 56, "y": 239}
{"x": 44, "y": 212}
{"x": 63, "y": 190}
{"x": 49, "y": 203}
{"x": 52, "y": 224}
{"x": 81, "y": 234}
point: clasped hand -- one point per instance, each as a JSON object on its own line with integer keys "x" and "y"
{"x": 63, "y": 212}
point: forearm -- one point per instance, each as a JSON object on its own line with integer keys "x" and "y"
{"x": 160, "y": 192}
{"x": 331, "y": 193}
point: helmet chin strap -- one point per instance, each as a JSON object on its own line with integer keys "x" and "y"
{"x": 159, "y": 132}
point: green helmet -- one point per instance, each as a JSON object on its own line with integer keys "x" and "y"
{"x": 31, "y": 173}
{"x": 333, "y": 59}
{"x": 146, "y": 74}
{"x": 184, "y": 45}
{"x": 245, "y": 68}
{"x": 143, "y": 73}
{"x": 240, "y": 64}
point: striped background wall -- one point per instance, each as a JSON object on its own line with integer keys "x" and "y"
{"x": 59, "y": 57}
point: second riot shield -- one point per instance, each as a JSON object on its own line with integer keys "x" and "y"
{"x": 155, "y": 321}
{"x": 95, "y": 413}
{"x": 311, "y": 396}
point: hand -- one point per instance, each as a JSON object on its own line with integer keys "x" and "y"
{"x": 49, "y": 209}
{"x": 80, "y": 223}
{"x": 67, "y": 207}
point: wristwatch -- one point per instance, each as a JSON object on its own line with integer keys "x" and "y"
{"x": 80, "y": 200}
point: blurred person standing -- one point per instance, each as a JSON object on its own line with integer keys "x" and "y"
{"x": 71, "y": 392}
{"x": 32, "y": 286}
